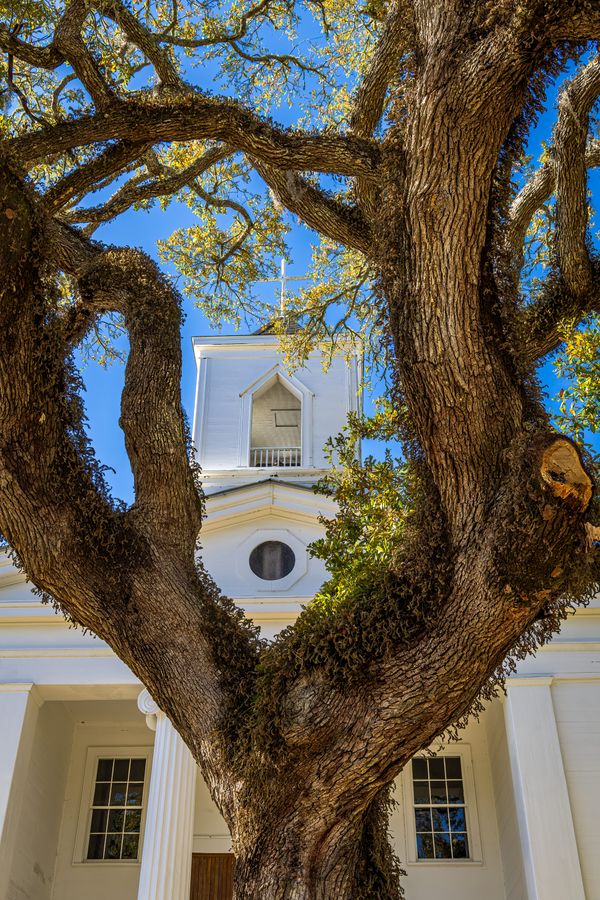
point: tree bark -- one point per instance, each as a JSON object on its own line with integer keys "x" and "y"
{"x": 302, "y": 847}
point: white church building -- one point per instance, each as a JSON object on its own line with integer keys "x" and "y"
{"x": 100, "y": 798}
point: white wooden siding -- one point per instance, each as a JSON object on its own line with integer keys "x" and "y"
{"x": 228, "y": 374}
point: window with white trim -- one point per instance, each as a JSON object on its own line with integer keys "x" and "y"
{"x": 115, "y": 823}
{"x": 294, "y": 433}
{"x": 440, "y": 815}
{"x": 276, "y": 429}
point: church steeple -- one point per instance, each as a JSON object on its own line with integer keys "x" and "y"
{"x": 254, "y": 419}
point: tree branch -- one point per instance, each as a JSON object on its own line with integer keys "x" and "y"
{"x": 197, "y": 117}
{"x": 143, "y": 38}
{"x": 129, "y": 575}
{"x": 69, "y": 41}
{"x": 166, "y": 498}
{"x": 538, "y": 324}
{"x": 48, "y": 57}
{"x": 570, "y": 141}
{"x": 168, "y": 38}
{"x": 396, "y": 40}
{"x": 77, "y": 183}
{"x": 58, "y": 91}
{"x": 324, "y": 214}
{"x": 574, "y": 290}
{"x": 566, "y": 174}
{"x": 285, "y": 60}
{"x": 534, "y": 194}
{"x": 135, "y": 192}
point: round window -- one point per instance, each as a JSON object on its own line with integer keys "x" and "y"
{"x": 272, "y": 560}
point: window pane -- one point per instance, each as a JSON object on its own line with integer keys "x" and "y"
{"x": 457, "y": 818}
{"x": 134, "y": 794}
{"x": 419, "y": 767}
{"x": 460, "y": 846}
{"x": 443, "y": 846}
{"x": 99, "y": 817}
{"x": 101, "y": 794}
{"x": 116, "y": 820}
{"x": 456, "y": 793}
{"x": 117, "y": 794}
{"x": 133, "y": 820}
{"x": 96, "y": 846}
{"x": 121, "y": 770}
{"x": 436, "y": 768}
{"x": 438, "y": 792}
{"x": 138, "y": 769}
{"x": 453, "y": 769}
{"x": 440, "y": 820}
{"x": 422, "y": 792}
{"x": 423, "y": 819}
{"x": 104, "y": 770}
{"x": 425, "y": 846}
{"x": 130, "y": 846}
{"x": 113, "y": 846}
{"x": 272, "y": 560}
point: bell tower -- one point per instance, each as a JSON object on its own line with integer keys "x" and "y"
{"x": 255, "y": 420}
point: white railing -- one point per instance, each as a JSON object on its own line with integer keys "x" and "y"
{"x": 262, "y": 457}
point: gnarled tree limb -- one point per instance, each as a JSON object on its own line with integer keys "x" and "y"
{"x": 115, "y": 159}
{"x": 341, "y": 223}
{"x": 143, "y": 38}
{"x": 197, "y": 117}
{"x": 539, "y": 323}
{"x": 532, "y": 197}
{"x": 397, "y": 39}
{"x": 570, "y": 142}
{"x": 127, "y": 574}
{"x": 48, "y": 57}
{"x": 68, "y": 39}
{"x": 573, "y": 291}
{"x": 140, "y": 188}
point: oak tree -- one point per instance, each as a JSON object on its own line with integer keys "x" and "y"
{"x": 407, "y": 157}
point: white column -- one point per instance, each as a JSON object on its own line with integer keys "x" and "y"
{"x": 19, "y": 707}
{"x": 167, "y": 848}
{"x": 550, "y": 857}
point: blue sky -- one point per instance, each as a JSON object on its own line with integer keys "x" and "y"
{"x": 143, "y": 229}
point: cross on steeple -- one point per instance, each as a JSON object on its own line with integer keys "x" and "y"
{"x": 283, "y": 281}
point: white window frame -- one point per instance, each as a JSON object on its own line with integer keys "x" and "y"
{"x": 473, "y": 833}
{"x": 300, "y": 391}
{"x": 84, "y": 821}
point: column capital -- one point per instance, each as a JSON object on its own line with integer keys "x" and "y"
{"x": 150, "y": 708}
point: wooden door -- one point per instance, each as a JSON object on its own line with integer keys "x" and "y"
{"x": 212, "y": 876}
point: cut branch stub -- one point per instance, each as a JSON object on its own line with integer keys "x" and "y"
{"x": 592, "y": 535}
{"x": 562, "y": 470}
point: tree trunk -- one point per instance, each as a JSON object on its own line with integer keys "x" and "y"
{"x": 306, "y": 853}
